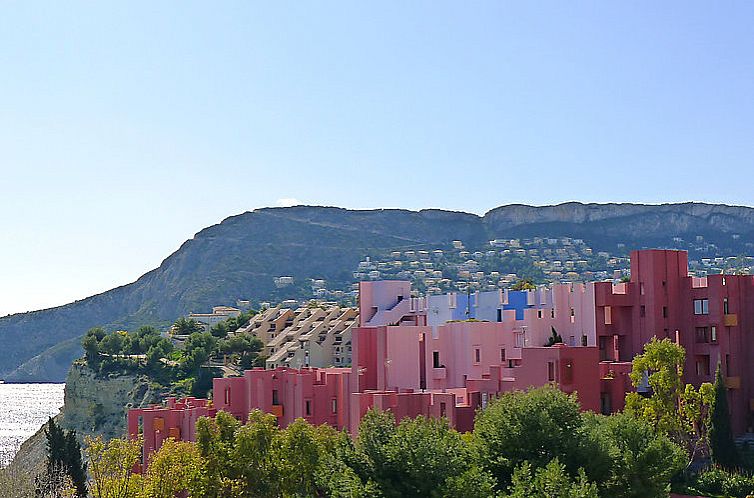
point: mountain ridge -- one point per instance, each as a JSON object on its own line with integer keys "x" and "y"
{"x": 239, "y": 256}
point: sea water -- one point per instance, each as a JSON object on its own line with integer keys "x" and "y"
{"x": 24, "y": 408}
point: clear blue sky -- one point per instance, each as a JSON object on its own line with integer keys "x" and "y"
{"x": 125, "y": 129}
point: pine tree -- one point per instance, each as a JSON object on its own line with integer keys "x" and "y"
{"x": 723, "y": 448}
{"x": 74, "y": 465}
{"x": 63, "y": 453}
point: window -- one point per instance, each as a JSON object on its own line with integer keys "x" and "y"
{"x": 552, "y": 313}
{"x": 442, "y": 408}
{"x": 502, "y": 354}
{"x": 702, "y": 365}
{"x": 603, "y": 347}
{"x": 539, "y": 313}
{"x": 608, "y": 315}
{"x": 583, "y": 340}
{"x": 723, "y": 280}
{"x": 642, "y": 311}
{"x": 477, "y": 355}
{"x": 726, "y": 310}
{"x": 641, "y": 288}
{"x": 499, "y": 315}
{"x": 702, "y": 334}
{"x": 606, "y": 404}
{"x": 334, "y": 405}
{"x": 308, "y": 407}
{"x": 520, "y": 339}
{"x": 551, "y": 371}
{"x": 275, "y": 400}
{"x": 664, "y": 311}
{"x": 701, "y": 306}
{"x": 713, "y": 334}
{"x": 727, "y": 365}
{"x": 435, "y": 359}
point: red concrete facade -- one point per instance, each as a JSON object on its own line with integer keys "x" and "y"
{"x": 176, "y": 420}
{"x": 318, "y": 395}
{"x": 450, "y": 370}
{"x": 710, "y": 317}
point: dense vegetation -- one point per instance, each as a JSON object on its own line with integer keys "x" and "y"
{"x": 525, "y": 444}
{"x": 186, "y": 369}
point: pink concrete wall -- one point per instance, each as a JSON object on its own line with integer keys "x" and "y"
{"x": 659, "y": 302}
{"x": 563, "y": 298}
{"x": 177, "y": 420}
{"x": 320, "y": 396}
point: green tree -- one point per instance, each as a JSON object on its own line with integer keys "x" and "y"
{"x": 64, "y": 453}
{"x": 376, "y": 430}
{"x": 473, "y": 483}
{"x": 113, "y": 343}
{"x": 296, "y": 455}
{"x": 219, "y": 330}
{"x": 421, "y": 457}
{"x": 254, "y": 455}
{"x": 175, "y": 468}
{"x": 523, "y": 284}
{"x": 550, "y": 481}
{"x": 423, "y": 454}
{"x": 216, "y": 439}
{"x": 722, "y": 447}
{"x": 673, "y": 408}
{"x": 143, "y": 338}
{"x": 111, "y": 467}
{"x": 537, "y": 426}
{"x": 197, "y": 350}
{"x": 91, "y": 345}
{"x": 643, "y": 462}
{"x": 183, "y": 326}
{"x": 245, "y": 347}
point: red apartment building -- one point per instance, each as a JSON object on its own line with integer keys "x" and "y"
{"x": 402, "y": 364}
{"x": 711, "y": 317}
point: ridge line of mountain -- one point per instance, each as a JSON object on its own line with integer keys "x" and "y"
{"x": 239, "y": 256}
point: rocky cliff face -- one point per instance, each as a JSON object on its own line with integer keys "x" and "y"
{"x": 240, "y": 256}
{"x": 93, "y": 406}
{"x": 98, "y": 406}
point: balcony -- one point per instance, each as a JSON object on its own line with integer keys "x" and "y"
{"x": 277, "y": 410}
{"x": 439, "y": 373}
{"x": 730, "y": 320}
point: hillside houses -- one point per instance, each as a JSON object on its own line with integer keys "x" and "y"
{"x": 498, "y": 265}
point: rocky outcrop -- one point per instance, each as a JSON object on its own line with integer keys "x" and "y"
{"x": 93, "y": 405}
{"x": 97, "y": 405}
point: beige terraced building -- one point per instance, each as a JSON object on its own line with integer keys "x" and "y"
{"x": 305, "y": 336}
